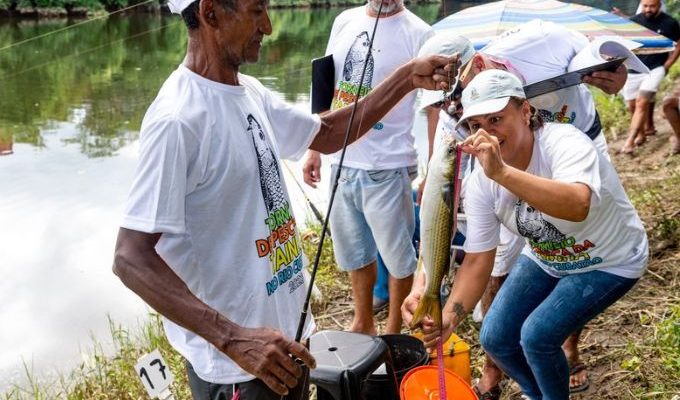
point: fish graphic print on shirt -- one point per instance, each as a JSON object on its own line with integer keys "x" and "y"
{"x": 552, "y": 247}
{"x": 530, "y": 224}
{"x": 270, "y": 180}
{"x": 347, "y": 88}
{"x": 282, "y": 245}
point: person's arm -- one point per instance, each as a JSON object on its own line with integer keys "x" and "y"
{"x": 425, "y": 72}
{"x": 672, "y": 58}
{"x": 563, "y": 200}
{"x": 263, "y": 352}
{"x": 468, "y": 286}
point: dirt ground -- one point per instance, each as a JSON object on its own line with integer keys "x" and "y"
{"x": 619, "y": 346}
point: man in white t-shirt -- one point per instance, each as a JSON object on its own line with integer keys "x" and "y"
{"x": 208, "y": 237}
{"x": 373, "y": 208}
{"x": 533, "y": 51}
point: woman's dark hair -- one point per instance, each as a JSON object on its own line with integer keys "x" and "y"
{"x": 535, "y": 121}
{"x": 190, "y": 13}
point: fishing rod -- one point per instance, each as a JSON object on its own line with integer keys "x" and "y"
{"x": 311, "y": 205}
{"x": 317, "y": 258}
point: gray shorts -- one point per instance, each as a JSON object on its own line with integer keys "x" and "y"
{"x": 251, "y": 390}
{"x": 373, "y": 212}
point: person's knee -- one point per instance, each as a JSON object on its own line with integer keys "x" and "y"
{"x": 493, "y": 337}
{"x": 538, "y": 337}
{"x": 641, "y": 101}
{"x": 670, "y": 106}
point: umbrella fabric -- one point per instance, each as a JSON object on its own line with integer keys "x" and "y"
{"x": 483, "y": 23}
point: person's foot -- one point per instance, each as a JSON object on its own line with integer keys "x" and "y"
{"x": 627, "y": 150}
{"x": 675, "y": 145}
{"x": 493, "y": 394}
{"x": 366, "y": 328}
{"x": 379, "y": 304}
{"x": 578, "y": 374}
{"x": 488, "y": 387}
{"x": 650, "y": 132}
{"x": 578, "y": 378}
{"x": 640, "y": 140}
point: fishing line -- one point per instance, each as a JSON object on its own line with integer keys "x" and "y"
{"x": 72, "y": 26}
{"x": 78, "y": 53}
{"x": 317, "y": 258}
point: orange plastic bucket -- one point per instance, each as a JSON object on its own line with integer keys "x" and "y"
{"x": 422, "y": 383}
{"x": 456, "y": 356}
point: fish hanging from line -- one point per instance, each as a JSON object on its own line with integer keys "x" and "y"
{"x": 437, "y": 226}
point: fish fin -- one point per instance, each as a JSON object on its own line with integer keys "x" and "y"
{"x": 447, "y": 195}
{"x": 429, "y": 305}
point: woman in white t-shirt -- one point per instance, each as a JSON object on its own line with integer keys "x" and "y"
{"x": 585, "y": 245}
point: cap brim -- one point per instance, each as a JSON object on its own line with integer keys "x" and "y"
{"x": 485, "y": 107}
{"x": 429, "y": 97}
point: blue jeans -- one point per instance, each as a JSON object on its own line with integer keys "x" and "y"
{"x": 534, "y": 313}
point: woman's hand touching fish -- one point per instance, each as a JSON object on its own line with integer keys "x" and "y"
{"x": 487, "y": 150}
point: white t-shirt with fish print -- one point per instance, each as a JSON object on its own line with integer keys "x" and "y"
{"x": 610, "y": 239}
{"x": 209, "y": 179}
{"x": 390, "y": 144}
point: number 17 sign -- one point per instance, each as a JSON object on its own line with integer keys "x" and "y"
{"x": 155, "y": 375}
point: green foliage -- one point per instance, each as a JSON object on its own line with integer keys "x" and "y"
{"x": 652, "y": 201}
{"x": 613, "y": 113}
{"x": 669, "y": 340}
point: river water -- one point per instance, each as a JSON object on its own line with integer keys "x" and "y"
{"x": 71, "y": 103}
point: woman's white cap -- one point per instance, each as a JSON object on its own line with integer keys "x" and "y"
{"x": 489, "y": 92}
{"x": 445, "y": 44}
{"x": 177, "y": 6}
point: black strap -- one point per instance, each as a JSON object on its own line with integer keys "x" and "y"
{"x": 595, "y": 128}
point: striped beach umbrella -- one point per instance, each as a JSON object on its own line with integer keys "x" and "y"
{"x": 483, "y": 23}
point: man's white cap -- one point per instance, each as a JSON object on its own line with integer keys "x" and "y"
{"x": 489, "y": 92}
{"x": 445, "y": 44}
{"x": 177, "y": 6}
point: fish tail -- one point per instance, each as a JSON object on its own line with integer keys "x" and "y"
{"x": 429, "y": 305}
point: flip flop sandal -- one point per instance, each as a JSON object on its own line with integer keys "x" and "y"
{"x": 575, "y": 369}
{"x": 640, "y": 140}
{"x": 492, "y": 394}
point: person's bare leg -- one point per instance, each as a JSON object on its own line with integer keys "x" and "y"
{"x": 491, "y": 374}
{"x": 399, "y": 289}
{"x": 363, "y": 280}
{"x": 650, "y": 129}
{"x": 636, "y": 124}
{"x": 570, "y": 348}
{"x": 670, "y": 110}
